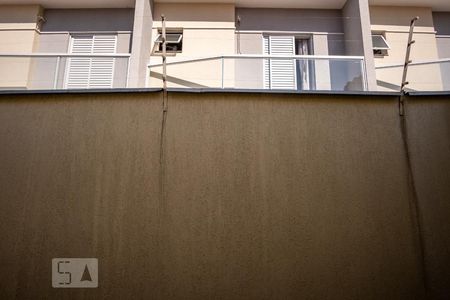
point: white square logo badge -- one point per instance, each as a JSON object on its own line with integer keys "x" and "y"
{"x": 74, "y": 272}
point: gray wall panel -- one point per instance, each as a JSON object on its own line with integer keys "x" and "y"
{"x": 308, "y": 20}
{"x": 441, "y": 21}
{"x": 113, "y": 19}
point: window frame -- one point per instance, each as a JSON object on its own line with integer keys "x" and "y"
{"x": 169, "y": 31}
{"x": 380, "y": 51}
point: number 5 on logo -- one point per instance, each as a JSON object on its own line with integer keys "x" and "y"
{"x": 59, "y": 263}
{"x": 74, "y": 272}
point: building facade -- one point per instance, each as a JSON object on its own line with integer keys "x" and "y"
{"x": 333, "y": 45}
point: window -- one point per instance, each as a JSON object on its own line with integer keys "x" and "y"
{"x": 380, "y": 45}
{"x": 91, "y": 72}
{"x": 174, "y": 39}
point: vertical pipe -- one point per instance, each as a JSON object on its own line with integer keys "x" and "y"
{"x": 55, "y": 78}
{"x": 164, "y": 51}
{"x": 165, "y": 108}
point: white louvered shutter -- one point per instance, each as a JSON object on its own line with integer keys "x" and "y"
{"x": 102, "y": 69}
{"x": 97, "y": 72}
{"x": 282, "y": 72}
{"x": 79, "y": 67}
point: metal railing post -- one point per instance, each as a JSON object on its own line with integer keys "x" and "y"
{"x": 128, "y": 73}
{"x": 164, "y": 52}
{"x": 223, "y": 72}
{"x": 364, "y": 74}
{"x": 55, "y": 78}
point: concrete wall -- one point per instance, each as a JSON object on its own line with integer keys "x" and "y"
{"x": 394, "y": 22}
{"x": 248, "y": 196}
{"x": 441, "y": 22}
{"x": 17, "y": 35}
{"x": 208, "y": 30}
{"x": 55, "y": 38}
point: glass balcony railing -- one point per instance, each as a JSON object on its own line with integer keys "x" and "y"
{"x": 422, "y": 76}
{"x": 41, "y": 71}
{"x": 296, "y": 73}
{"x": 429, "y": 76}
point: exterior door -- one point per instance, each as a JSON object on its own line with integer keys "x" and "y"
{"x": 280, "y": 73}
{"x": 293, "y": 74}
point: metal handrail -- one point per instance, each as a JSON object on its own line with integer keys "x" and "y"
{"x": 417, "y": 63}
{"x": 115, "y": 55}
{"x": 257, "y": 56}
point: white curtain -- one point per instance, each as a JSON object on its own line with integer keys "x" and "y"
{"x": 303, "y": 64}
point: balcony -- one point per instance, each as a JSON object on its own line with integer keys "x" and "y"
{"x": 265, "y": 72}
{"x": 48, "y": 71}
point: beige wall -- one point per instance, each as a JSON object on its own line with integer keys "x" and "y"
{"x": 17, "y": 35}
{"x": 394, "y": 23}
{"x": 258, "y": 196}
{"x": 208, "y": 30}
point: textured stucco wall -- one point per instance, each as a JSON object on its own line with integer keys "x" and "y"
{"x": 289, "y": 198}
{"x": 429, "y": 138}
{"x": 247, "y": 196}
{"x": 79, "y": 178}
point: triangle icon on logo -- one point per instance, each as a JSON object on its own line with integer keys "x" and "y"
{"x": 86, "y": 275}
